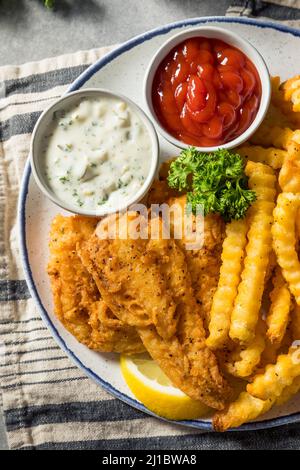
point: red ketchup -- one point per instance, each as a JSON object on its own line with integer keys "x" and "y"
{"x": 206, "y": 92}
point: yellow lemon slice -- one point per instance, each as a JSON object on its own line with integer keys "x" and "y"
{"x": 153, "y": 388}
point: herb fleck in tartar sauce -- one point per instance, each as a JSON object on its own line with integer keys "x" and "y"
{"x": 97, "y": 153}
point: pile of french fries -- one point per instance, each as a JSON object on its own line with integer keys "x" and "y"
{"x": 256, "y": 340}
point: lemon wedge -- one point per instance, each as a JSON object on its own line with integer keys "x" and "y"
{"x": 153, "y": 388}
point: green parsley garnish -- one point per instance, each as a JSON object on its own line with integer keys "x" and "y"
{"x": 64, "y": 179}
{"x": 103, "y": 200}
{"x": 65, "y": 124}
{"x": 121, "y": 184}
{"x": 215, "y": 180}
{"x": 65, "y": 148}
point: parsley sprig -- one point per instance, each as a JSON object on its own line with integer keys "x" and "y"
{"x": 215, "y": 180}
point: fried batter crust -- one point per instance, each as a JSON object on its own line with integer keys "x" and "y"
{"x": 77, "y": 301}
{"x": 138, "y": 279}
{"x": 204, "y": 263}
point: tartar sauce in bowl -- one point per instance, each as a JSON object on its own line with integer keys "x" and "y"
{"x": 94, "y": 152}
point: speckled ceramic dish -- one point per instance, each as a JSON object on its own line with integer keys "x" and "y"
{"x": 123, "y": 71}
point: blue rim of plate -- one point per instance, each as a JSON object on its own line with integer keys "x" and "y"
{"x": 78, "y": 83}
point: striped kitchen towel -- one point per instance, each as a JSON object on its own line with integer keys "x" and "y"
{"x": 48, "y": 402}
{"x": 285, "y": 11}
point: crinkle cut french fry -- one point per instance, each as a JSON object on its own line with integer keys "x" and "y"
{"x": 232, "y": 256}
{"x": 248, "y": 407}
{"x": 251, "y": 355}
{"x": 248, "y": 301}
{"x": 262, "y": 180}
{"x": 289, "y": 392}
{"x": 272, "y": 136}
{"x": 270, "y": 156}
{"x": 244, "y": 409}
{"x": 290, "y": 92}
{"x": 289, "y": 176}
{"x": 284, "y": 240}
{"x": 278, "y": 96}
{"x": 286, "y": 97}
{"x": 279, "y": 314}
{"x": 276, "y": 377}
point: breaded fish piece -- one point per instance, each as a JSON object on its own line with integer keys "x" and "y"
{"x": 203, "y": 263}
{"x": 109, "y": 334}
{"x": 138, "y": 279}
{"x": 77, "y": 301}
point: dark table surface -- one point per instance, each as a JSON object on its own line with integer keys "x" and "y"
{"x": 85, "y": 24}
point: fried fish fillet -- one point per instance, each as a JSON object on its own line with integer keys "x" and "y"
{"x": 204, "y": 262}
{"x": 146, "y": 284}
{"x": 77, "y": 301}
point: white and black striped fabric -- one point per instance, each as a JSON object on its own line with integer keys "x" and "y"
{"x": 48, "y": 402}
{"x": 285, "y": 11}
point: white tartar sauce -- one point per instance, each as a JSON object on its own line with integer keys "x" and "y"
{"x": 97, "y": 153}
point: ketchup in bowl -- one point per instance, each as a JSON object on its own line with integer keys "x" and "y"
{"x": 206, "y": 92}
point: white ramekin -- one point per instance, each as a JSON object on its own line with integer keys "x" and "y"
{"x": 36, "y": 155}
{"x": 234, "y": 40}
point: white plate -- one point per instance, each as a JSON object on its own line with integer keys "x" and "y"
{"x": 123, "y": 71}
